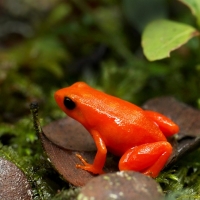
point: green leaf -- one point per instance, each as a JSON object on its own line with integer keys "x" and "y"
{"x": 194, "y": 6}
{"x": 163, "y": 36}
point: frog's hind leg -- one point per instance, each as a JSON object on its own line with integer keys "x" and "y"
{"x": 166, "y": 125}
{"x": 148, "y": 159}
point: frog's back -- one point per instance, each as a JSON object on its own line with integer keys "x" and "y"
{"x": 119, "y": 122}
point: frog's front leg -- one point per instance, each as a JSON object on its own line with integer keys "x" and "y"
{"x": 100, "y": 157}
{"x": 166, "y": 125}
{"x": 148, "y": 158}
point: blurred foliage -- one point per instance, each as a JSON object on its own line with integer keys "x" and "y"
{"x": 46, "y": 45}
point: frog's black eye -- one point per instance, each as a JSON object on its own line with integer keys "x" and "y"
{"x": 69, "y": 104}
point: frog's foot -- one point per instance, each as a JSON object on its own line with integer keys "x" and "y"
{"x": 148, "y": 159}
{"x": 166, "y": 125}
{"x": 88, "y": 167}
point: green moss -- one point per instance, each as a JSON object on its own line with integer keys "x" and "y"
{"x": 69, "y": 194}
{"x": 182, "y": 181}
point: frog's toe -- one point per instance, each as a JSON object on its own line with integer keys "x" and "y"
{"x": 90, "y": 168}
{"x": 82, "y": 159}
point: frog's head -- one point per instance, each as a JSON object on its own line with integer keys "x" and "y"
{"x": 73, "y": 100}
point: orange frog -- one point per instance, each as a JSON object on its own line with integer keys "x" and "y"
{"x": 124, "y": 129}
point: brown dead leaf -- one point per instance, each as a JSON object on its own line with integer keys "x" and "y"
{"x": 69, "y": 134}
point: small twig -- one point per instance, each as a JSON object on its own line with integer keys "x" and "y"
{"x": 34, "y": 108}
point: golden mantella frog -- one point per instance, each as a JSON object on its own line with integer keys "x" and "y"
{"x": 138, "y": 136}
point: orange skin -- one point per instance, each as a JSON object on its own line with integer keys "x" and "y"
{"x": 138, "y": 136}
